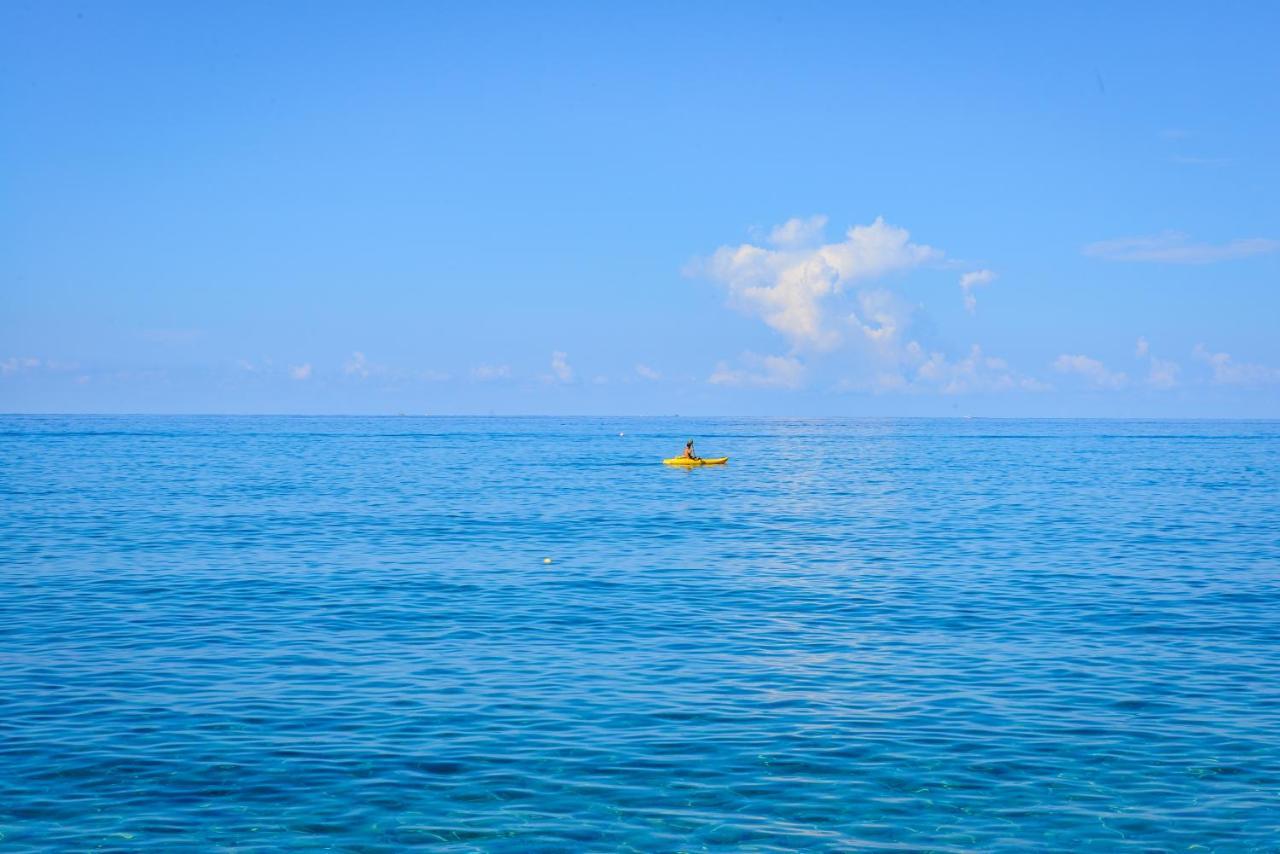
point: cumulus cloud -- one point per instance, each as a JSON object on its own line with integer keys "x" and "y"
{"x": 760, "y": 372}
{"x": 1173, "y": 247}
{"x": 1091, "y": 369}
{"x": 647, "y": 372}
{"x": 489, "y": 373}
{"x": 890, "y": 360}
{"x": 825, "y": 297}
{"x": 969, "y": 281}
{"x": 790, "y": 282}
{"x": 1142, "y": 347}
{"x": 797, "y": 232}
{"x": 1227, "y": 371}
{"x": 301, "y": 372}
{"x": 560, "y": 368}
{"x": 881, "y": 318}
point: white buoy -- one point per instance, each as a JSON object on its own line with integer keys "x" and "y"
{"x": 546, "y": 560}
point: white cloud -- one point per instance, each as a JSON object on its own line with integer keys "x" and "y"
{"x": 1091, "y": 369}
{"x": 880, "y": 318}
{"x": 560, "y": 367}
{"x": 1172, "y": 247}
{"x": 357, "y": 366}
{"x": 647, "y": 372}
{"x": 969, "y": 281}
{"x": 760, "y": 372}
{"x": 488, "y": 373}
{"x": 1142, "y": 347}
{"x": 886, "y": 358}
{"x": 789, "y": 284}
{"x": 301, "y": 372}
{"x": 824, "y": 296}
{"x": 1227, "y": 371}
{"x": 796, "y": 232}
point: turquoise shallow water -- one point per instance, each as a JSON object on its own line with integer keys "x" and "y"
{"x": 953, "y": 635}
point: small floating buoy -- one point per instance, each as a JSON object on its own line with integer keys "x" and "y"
{"x": 546, "y": 560}
{"x": 622, "y": 434}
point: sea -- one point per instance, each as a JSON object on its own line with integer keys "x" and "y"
{"x": 528, "y": 634}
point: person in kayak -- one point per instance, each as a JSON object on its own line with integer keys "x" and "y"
{"x": 688, "y": 451}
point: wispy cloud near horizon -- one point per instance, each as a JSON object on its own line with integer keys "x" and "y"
{"x": 1091, "y": 369}
{"x": 357, "y": 366}
{"x": 1174, "y": 247}
{"x": 1161, "y": 373}
{"x": 1227, "y": 371}
{"x": 760, "y": 372}
{"x": 18, "y": 364}
{"x": 490, "y": 373}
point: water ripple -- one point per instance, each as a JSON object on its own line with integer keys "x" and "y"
{"x": 916, "y": 635}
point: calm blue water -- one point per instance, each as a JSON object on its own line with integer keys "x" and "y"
{"x": 948, "y": 635}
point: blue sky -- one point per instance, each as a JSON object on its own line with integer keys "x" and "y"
{"x": 736, "y": 208}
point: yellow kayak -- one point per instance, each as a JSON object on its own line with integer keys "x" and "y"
{"x": 705, "y": 461}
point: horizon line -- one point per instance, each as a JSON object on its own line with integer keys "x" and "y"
{"x": 606, "y": 415}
